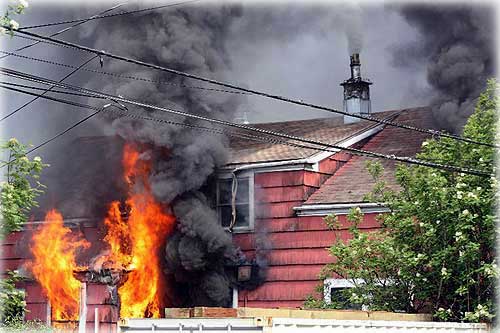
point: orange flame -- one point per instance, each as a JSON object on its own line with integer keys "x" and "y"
{"x": 54, "y": 248}
{"x": 136, "y": 239}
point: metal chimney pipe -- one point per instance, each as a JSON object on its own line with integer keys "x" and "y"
{"x": 355, "y": 66}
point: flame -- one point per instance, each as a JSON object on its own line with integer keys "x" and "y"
{"x": 136, "y": 238}
{"x": 54, "y": 248}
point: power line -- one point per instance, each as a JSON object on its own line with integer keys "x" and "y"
{"x": 44, "y": 42}
{"x": 128, "y": 77}
{"x": 66, "y": 76}
{"x": 48, "y": 89}
{"x": 66, "y": 29}
{"x": 134, "y": 116}
{"x": 106, "y": 16}
{"x": 355, "y": 151}
{"x": 191, "y": 126}
{"x": 186, "y": 125}
{"x": 52, "y": 90}
{"x": 256, "y": 92}
{"x": 59, "y": 134}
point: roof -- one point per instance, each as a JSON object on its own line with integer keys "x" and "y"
{"x": 352, "y": 181}
{"x": 328, "y": 130}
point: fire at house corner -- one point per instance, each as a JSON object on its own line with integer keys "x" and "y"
{"x": 54, "y": 248}
{"x": 136, "y": 238}
{"x": 136, "y": 232}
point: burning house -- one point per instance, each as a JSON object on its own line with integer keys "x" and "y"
{"x": 164, "y": 230}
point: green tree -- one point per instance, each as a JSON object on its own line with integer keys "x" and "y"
{"x": 434, "y": 251}
{"x": 21, "y": 187}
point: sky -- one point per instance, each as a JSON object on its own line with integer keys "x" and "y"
{"x": 308, "y": 65}
{"x": 287, "y": 50}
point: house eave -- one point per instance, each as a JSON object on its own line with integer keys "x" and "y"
{"x": 310, "y": 163}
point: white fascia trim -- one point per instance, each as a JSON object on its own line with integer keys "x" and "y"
{"x": 310, "y": 163}
{"x": 339, "y": 209}
{"x": 301, "y": 164}
{"x": 315, "y": 159}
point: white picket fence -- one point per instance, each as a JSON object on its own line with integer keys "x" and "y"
{"x": 293, "y": 325}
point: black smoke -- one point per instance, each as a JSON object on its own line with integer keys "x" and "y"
{"x": 200, "y": 256}
{"x": 457, "y": 42}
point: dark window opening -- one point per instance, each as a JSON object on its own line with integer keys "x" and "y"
{"x": 242, "y": 203}
{"x": 338, "y": 296}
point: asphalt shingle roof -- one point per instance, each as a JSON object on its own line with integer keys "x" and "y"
{"x": 327, "y": 130}
{"x": 352, "y": 181}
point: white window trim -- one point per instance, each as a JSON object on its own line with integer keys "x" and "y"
{"x": 329, "y": 284}
{"x": 251, "y": 202}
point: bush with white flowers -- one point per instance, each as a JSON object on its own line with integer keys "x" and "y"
{"x": 8, "y": 24}
{"x": 435, "y": 251}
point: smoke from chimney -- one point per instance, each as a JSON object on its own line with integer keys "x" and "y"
{"x": 457, "y": 43}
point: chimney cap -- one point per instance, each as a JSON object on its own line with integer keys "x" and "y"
{"x": 355, "y": 59}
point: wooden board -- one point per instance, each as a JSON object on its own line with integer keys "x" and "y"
{"x": 331, "y": 314}
{"x": 212, "y": 312}
{"x": 178, "y": 312}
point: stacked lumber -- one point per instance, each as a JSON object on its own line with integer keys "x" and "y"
{"x": 201, "y": 312}
{"x": 214, "y": 312}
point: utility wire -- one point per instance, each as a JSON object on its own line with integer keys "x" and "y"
{"x": 212, "y": 130}
{"x": 255, "y": 92}
{"x": 355, "y": 151}
{"x": 164, "y": 121}
{"x": 96, "y": 17}
{"x": 69, "y": 74}
{"x": 67, "y": 28}
{"x": 44, "y": 42}
{"x": 52, "y": 90}
{"x": 48, "y": 89}
{"x": 46, "y": 142}
{"x": 219, "y": 131}
{"x": 128, "y": 77}
{"x": 271, "y": 140}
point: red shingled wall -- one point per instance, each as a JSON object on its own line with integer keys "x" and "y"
{"x": 15, "y": 254}
{"x": 298, "y": 244}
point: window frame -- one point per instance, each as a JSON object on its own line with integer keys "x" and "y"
{"x": 331, "y": 283}
{"x": 251, "y": 202}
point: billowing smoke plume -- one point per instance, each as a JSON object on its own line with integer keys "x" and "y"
{"x": 201, "y": 256}
{"x": 188, "y": 39}
{"x": 457, "y": 42}
{"x": 281, "y": 23}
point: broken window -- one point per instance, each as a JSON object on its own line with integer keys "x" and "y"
{"x": 241, "y": 191}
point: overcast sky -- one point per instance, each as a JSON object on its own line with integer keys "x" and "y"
{"x": 309, "y": 62}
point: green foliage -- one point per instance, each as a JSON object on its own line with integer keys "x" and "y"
{"x": 434, "y": 251}
{"x": 7, "y": 19}
{"x": 27, "y": 326}
{"x": 12, "y": 304}
{"x": 19, "y": 191}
